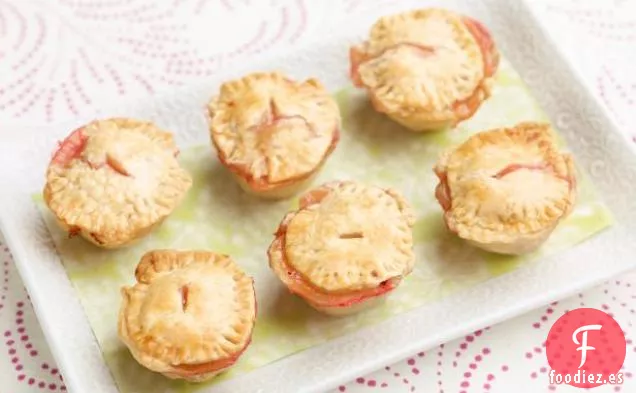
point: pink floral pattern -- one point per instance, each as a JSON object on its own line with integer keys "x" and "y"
{"x": 64, "y": 58}
{"x": 24, "y": 357}
{"x": 498, "y": 357}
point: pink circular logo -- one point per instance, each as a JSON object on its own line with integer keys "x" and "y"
{"x": 585, "y": 349}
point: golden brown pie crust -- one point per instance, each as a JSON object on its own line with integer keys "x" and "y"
{"x": 273, "y": 132}
{"x": 114, "y": 180}
{"x": 190, "y": 315}
{"x": 426, "y": 68}
{"x": 505, "y": 190}
{"x": 347, "y": 243}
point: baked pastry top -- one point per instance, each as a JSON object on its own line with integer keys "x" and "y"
{"x": 113, "y": 179}
{"x": 271, "y": 130}
{"x": 426, "y": 67}
{"x": 345, "y": 238}
{"x": 505, "y": 183}
{"x": 191, "y": 313}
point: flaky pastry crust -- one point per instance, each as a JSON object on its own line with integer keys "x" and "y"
{"x": 189, "y": 316}
{"x": 346, "y": 245}
{"x": 505, "y": 190}
{"x": 273, "y": 133}
{"x": 112, "y": 181}
{"x": 426, "y": 68}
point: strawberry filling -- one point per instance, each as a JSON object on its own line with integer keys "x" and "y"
{"x": 356, "y": 58}
{"x": 486, "y": 44}
{"x": 271, "y": 119}
{"x": 464, "y": 109}
{"x": 314, "y": 196}
{"x": 299, "y": 286}
{"x": 73, "y": 231}
{"x": 467, "y": 107}
{"x": 534, "y": 167}
{"x": 517, "y": 167}
{"x": 297, "y": 283}
{"x": 70, "y": 148}
{"x": 442, "y": 191}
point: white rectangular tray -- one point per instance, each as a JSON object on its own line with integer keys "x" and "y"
{"x": 598, "y": 146}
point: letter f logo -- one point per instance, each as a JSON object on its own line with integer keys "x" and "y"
{"x": 583, "y": 344}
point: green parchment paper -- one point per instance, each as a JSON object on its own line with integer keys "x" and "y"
{"x": 218, "y": 216}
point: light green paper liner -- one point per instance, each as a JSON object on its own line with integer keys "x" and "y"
{"x": 216, "y": 215}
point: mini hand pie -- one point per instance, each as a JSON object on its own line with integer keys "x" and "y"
{"x": 189, "y": 316}
{"x": 114, "y": 180}
{"x": 426, "y": 68}
{"x": 273, "y": 133}
{"x": 346, "y": 247}
{"x": 505, "y": 190}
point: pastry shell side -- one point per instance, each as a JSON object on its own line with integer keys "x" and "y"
{"x": 274, "y": 134}
{"x": 508, "y": 218}
{"x": 360, "y": 278}
{"x": 89, "y": 192}
{"x": 192, "y": 335}
{"x": 426, "y": 69}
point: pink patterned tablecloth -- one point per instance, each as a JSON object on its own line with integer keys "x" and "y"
{"x": 63, "y": 58}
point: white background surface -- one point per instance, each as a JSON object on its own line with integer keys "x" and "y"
{"x": 59, "y": 59}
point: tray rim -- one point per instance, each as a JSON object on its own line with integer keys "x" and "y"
{"x": 77, "y": 383}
